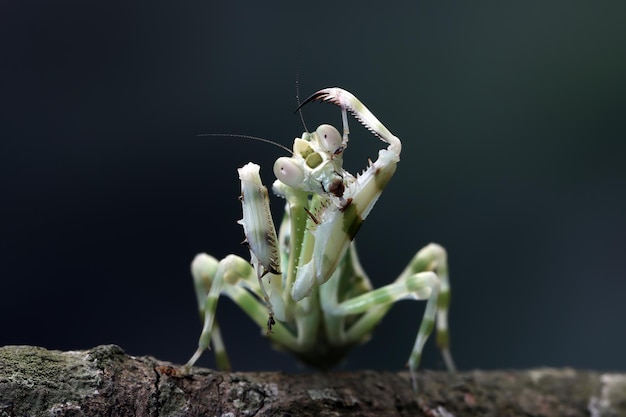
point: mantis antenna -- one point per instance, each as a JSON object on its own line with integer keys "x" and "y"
{"x": 299, "y": 109}
{"x": 271, "y": 142}
{"x": 234, "y": 135}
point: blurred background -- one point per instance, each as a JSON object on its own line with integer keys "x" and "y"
{"x": 514, "y": 138}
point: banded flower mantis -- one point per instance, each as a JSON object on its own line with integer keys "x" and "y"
{"x": 306, "y": 284}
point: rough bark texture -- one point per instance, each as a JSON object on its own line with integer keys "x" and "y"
{"x": 104, "y": 381}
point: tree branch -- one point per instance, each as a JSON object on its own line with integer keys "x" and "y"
{"x": 104, "y": 381}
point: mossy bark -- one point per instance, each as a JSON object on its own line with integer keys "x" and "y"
{"x": 104, "y": 381}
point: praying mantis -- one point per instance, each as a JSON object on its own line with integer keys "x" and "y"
{"x": 306, "y": 285}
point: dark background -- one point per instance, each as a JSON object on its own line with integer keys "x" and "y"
{"x": 513, "y": 127}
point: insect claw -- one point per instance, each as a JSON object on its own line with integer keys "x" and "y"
{"x": 270, "y": 271}
{"x": 320, "y": 95}
{"x": 270, "y": 322}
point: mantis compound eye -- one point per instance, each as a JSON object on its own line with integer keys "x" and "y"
{"x": 330, "y": 139}
{"x": 288, "y": 172}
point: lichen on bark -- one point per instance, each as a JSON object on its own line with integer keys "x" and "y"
{"x": 104, "y": 381}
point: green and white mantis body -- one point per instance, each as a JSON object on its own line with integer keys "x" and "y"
{"x": 306, "y": 285}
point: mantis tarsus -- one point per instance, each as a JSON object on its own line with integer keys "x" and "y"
{"x": 306, "y": 285}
